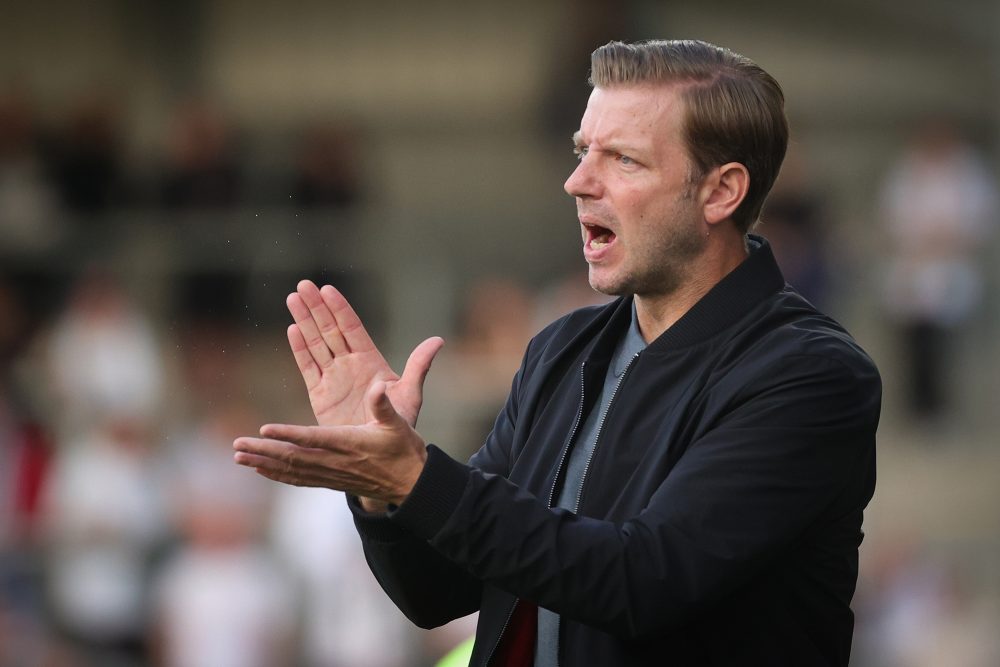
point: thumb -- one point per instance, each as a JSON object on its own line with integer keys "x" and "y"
{"x": 379, "y": 405}
{"x": 420, "y": 361}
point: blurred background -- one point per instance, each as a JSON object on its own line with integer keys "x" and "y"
{"x": 168, "y": 171}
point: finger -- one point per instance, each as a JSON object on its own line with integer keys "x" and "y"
{"x": 271, "y": 470}
{"x": 419, "y": 363}
{"x": 253, "y": 451}
{"x": 259, "y": 462}
{"x": 280, "y": 473}
{"x": 295, "y": 480}
{"x": 275, "y": 454}
{"x": 303, "y": 357}
{"x": 348, "y": 322}
{"x": 323, "y": 316}
{"x": 379, "y": 405}
{"x": 308, "y": 438}
{"x": 310, "y": 332}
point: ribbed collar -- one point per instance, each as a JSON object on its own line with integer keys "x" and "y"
{"x": 755, "y": 279}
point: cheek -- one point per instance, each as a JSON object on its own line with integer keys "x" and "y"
{"x": 633, "y": 203}
{"x": 642, "y": 210}
{"x": 641, "y": 194}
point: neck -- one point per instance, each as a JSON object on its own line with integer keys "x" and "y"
{"x": 658, "y": 312}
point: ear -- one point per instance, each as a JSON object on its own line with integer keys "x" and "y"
{"x": 726, "y": 188}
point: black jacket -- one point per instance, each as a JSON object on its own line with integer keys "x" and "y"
{"x": 720, "y": 515}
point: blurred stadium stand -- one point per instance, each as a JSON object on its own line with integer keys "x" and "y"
{"x": 448, "y": 124}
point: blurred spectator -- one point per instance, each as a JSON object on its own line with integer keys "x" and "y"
{"x": 493, "y": 332}
{"x": 496, "y": 324}
{"x": 104, "y": 356}
{"x": 918, "y": 612}
{"x": 496, "y": 321}
{"x": 221, "y": 599}
{"x": 105, "y": 518}
{"x": 25, "y": 455}
{"x": 28, "y": 203}
{"x": 348, "y": 620}
{"x": 795, "y": 223}
{"x": 25, "y": 458}
{"x": 202, "y": 169}
{"x": 564, "y": 295}
{"x": 327, "y": 168}
{"x": 939, "y": 204}
{"x": 87, "y": 158}
{"x": 199, "y": 466}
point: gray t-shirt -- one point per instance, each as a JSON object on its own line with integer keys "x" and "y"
{"x": 547, "y": 642}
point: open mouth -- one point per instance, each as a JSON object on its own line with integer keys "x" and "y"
{"x": 597, "y": 236}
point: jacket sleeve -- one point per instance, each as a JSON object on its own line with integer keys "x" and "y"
{"x": 785, "y": 451}
{"x": 428, "y": 588}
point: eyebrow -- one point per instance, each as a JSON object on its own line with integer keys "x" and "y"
{"x": 609, "y": 148}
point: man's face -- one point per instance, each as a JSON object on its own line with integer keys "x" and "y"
{"x": 639, "y": 213}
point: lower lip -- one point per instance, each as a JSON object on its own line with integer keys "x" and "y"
{"x": 596, "y": 254}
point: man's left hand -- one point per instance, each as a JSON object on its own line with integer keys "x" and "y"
{"x": 380, "y": 460}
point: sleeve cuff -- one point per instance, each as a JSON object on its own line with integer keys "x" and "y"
{"x": 434, "y": 497}
{"x": 373, "y": 526}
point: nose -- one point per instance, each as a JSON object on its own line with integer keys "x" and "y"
{"x": 583, "y": 182}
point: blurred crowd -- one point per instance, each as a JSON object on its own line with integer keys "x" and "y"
{"x": 83, "y": 164}
{"x": 128, "y": 536}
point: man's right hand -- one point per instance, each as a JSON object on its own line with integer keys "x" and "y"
{"x": 339, "y": 362}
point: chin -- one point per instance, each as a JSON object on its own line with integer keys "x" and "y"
{"x": 608, "y": 287}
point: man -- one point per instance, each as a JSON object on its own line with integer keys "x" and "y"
{"x": 677, "y": 477}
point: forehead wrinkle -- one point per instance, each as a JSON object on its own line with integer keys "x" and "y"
{"x": 611, "y": 144}
{"x": 638, "y": 120}
{"x": 614, "y": 139}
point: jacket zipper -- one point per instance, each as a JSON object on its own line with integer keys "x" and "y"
{"x": 600, "y": 429}
{"x": 572, "y": 436}
{"x": 562, "y": 463}
{"x": 552, "y": 494}
{"x": 493, "y": 651}
{"x": 590, "y": 457}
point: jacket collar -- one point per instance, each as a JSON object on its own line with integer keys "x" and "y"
{"x": 732, "y": 298}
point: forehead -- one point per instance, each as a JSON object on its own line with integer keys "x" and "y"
{"x": 634, "y": 113}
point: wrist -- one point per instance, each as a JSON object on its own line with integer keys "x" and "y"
{"x": 409, "y": 479}
{"x": 373, "y": 505}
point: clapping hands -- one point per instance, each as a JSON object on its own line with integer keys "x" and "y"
{"x": 365, "y": 442}
{"x": 339, "y": 362}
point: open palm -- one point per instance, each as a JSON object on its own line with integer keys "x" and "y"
{"x": 339, "y": 361}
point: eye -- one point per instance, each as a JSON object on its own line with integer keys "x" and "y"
{"x": 579, "y": 152}
{"x": 624, "y": 159}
